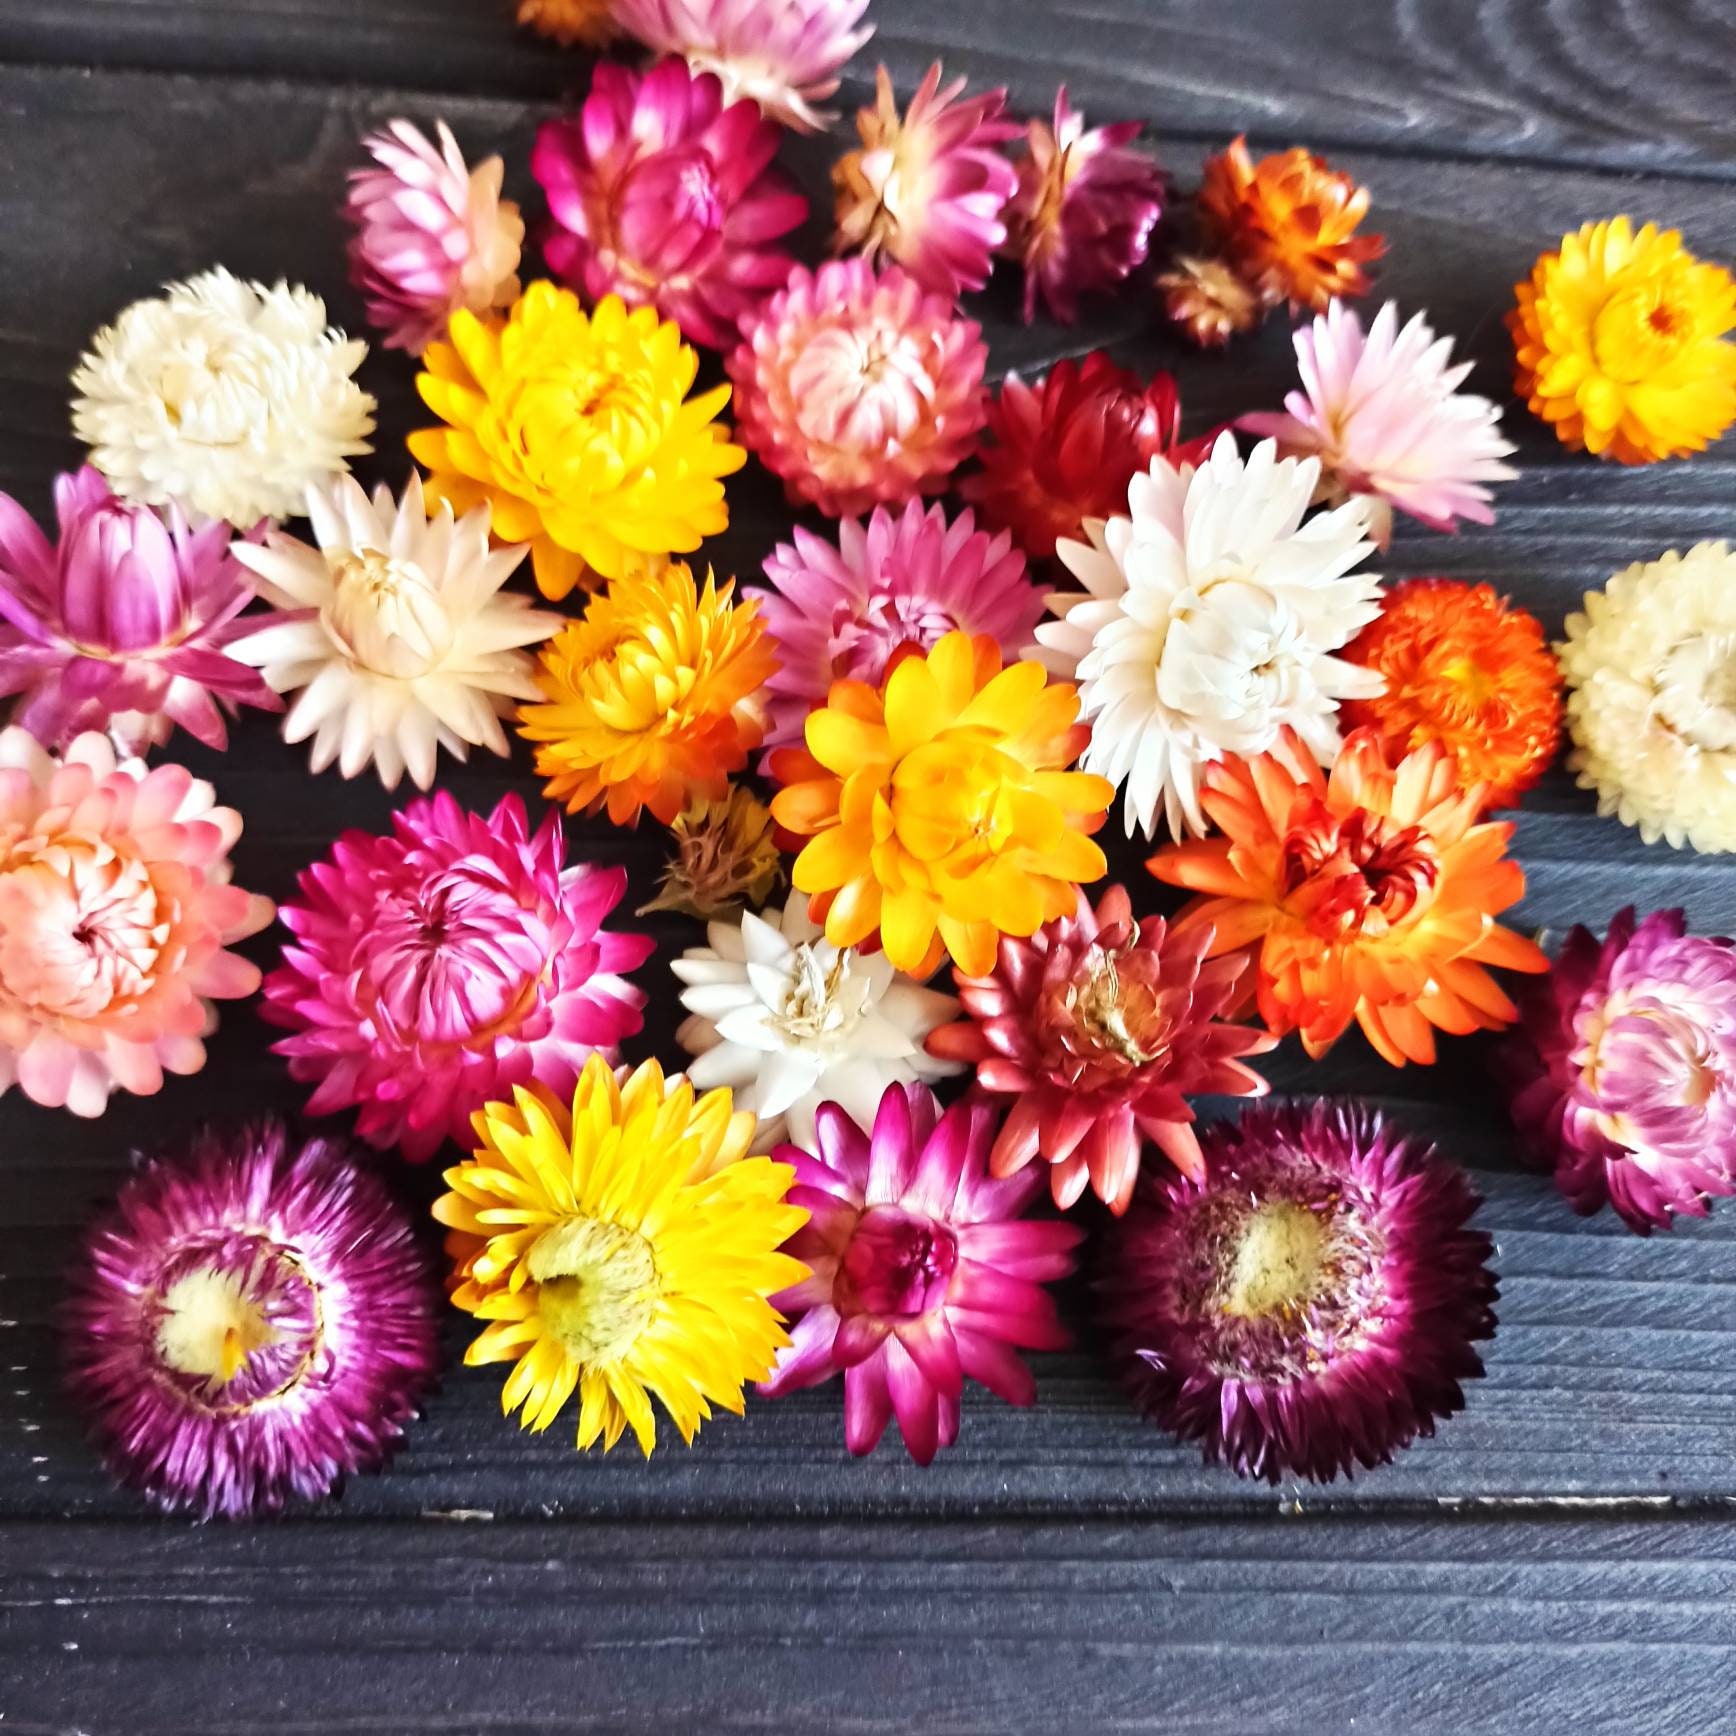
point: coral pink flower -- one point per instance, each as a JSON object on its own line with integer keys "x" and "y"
{"x": 1084, "y": 211}
{"x": 665, "y": 196}
{"x": 432, "y": 235}
{"x": 434, "y": 969}
{"x": 125, "y": 625}
{"x": 859, "y": 389}
{"x": 842, "y": 612}
{"x": 115, "y": 910}
{"x": 920, "y": 1272}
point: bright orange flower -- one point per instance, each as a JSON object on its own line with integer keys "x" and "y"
{"x": 938, "y": 809}
{"x": 1370, "y": 896}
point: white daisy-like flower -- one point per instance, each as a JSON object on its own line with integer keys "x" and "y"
{"x": 228, "y": 397}
{"x": 789, "y": 1021}
{"x": 1651, "y": 674}
{"x": 393, "y": 631}
{"x": 1207, "y": 624}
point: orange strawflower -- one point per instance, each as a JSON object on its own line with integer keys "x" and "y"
{"x": 1465, "y": 669}
{"x": 938, "y": 809}
{"x": 650, "y": 697}
{"x": 569, "y": 22}
{"x": 1288, "y": 224}
{"x": 1370, "y": 896}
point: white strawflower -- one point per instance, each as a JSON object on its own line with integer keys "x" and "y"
{"x": 789, "y": 1021}
{"x": 1208, "y": 621}
{"x": 1651, "y": 672}
{"x": 394, "y": 632}
{"x": 227, "y": 397}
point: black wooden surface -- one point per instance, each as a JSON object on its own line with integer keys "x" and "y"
{"x": 1556, "y": 1559}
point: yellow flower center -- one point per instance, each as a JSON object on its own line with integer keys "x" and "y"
{"x": 581, "y": 425}
{"x": 1639, "y": 331}
{"x": 1279, "y": 1261}
{"x": 1102, "y": 1007}
{"x": 210, "y": 1325}
{"x": 597, "y": 1287}
{"x": 386, "y": 615}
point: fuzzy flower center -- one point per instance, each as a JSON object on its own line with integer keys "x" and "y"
{"x": 386, "y": 615}
{"x": 898, "y": 1264}
{"x": 1360, "y": 875}
{"x": 825, "y": 998}
{"x": 1640, "y": 331}
{"x": 861, "y": 388}
{"x": 597, "y": 1287}
{"x": 1278, "y": 1263}
{"x": 1110, "y": 1010}
{"x": 1696, "y": 691}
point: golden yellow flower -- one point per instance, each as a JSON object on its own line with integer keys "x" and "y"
{"x": 651, "y": 697}
{"x": 937, "y": 808}
{"x": 725, "y": 852}
{"x": 577, "y": 430}
{"x": 1619, "y": 338}
{"x": 626, "y": 1249}
{"x": 569, "y": 22}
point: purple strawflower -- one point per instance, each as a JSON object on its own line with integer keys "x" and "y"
{"x": 1309, "y": 1303}
{"x": 1625, "y": 1070}
{"x": 251, "y": 1321}
{"x": 124, "y": 626}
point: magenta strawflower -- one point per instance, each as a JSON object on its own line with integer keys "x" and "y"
{"x": 663, "y": 195}
{"x": 1625, "y": 1070}
{"x": 1310, "y": 1304}
{"x": 921, "y": 1273}
{"x": 1082, "y": 217}
{"x": 435, "y": 968}
{"x": 858, "y": 388}
{"x": 124, "y": 624}
{"x": 1098, "y": 1028}
{"x": 250, "y": 1322}
{"x": 842, "y": 611}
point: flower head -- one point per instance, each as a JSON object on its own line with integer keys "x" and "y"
{"x": 226, "y": 397}
{"x": 1065, "y": 449}
{"x": 788, "y": 1021}
{"x": 1082, "y": 216}
{"x": 124, "y": 624}
{"x": 1372, "y": 896}
{"x": 623, "y": 1249}
{"x": 1624, "y": 1070}
{"x": 1209, "y": 622}
{"x": 1620, "y": 342}
{"x": 938, "y": 808}
{"x": 926, "y": 188}
{"x": 115, "y": 910}
{"x": 1651, "y": 703}
{"x": 1209, "y": 299}
{"x": 1383, "y": 412}
{"x": 393, "y": 631}
{"x": 1288, "y": 224}
{"x": 572, "y": 23}
{"x": 649, "y": 700}
{"x": 782, "y": 54}
{"x": 1466, "y": 669}
{"x": 726, "y": 851}
{"x": 1098, "y": 1028}
{"x": 249, "y": 1323}
{"x": 665, "y": 196}
{"x": 922, "y": 1273}
{"x": 1309, "y": 1301}
{"x": 432, "y": 235}
{"x": 857, "y": 388}
{"x": 436, "y": 968}
{"x": 577, "y": 429}
{"x": 845, "y": 612}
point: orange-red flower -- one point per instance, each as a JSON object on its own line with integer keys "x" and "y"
{"x": 1371, "y": 896}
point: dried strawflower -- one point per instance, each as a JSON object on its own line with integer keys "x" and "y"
{"x": 1372, "y": 896}
{"x": 225, "y": 397}
{"x": 1209, "y": 300}
{"x": 434, "y": 969}
{"x": 858, "y": 388}
{"x": 1465, "y": 668}
{"x": 572, "y": 23}
{"x": 251, "y": 1322}
{"x": 1098, "y": 1028}
{"x": 623, "y": 1248}
{"x": 923, "y": 1274}
{"x": 938, "y": 808}
{"x": 577, "y": 430}
{"x": 124, "y": 624}
{"x": 726, "y": 853}
{"x": 1310, "y": 1302}
{"x": 1620, "y": 342}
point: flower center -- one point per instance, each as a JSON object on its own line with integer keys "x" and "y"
{"x": 597, "y": 1287}
{"x": 860, "y": 389}
{"x": 1111, "y": 1011}
{"x": 898, "y": 1265}
{"x": 1640, "y": 331}
{"x": 1696, "y": 691}
{"x": 1360, "y": 875}
{"x": 825, "y": 999}
{"x": 864, "y": 641}
{"x": 1278, "y": 1264}
{"x": 385, "y": 615}
{"x": 578, "y": 426}
{"x": 1634, "y": 1037}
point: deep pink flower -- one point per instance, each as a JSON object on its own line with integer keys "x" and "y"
{"x": 1310, "y": 1303}
{"x": 1625, "y": 1070}
{"x": 124, "y": 625}
{"x": 436, "y": 968}
{"x": 920, "y": 1271}
{"x": 252, "y": 1321}
{"x": 663, "y": 195}
{"x": 841, "y": 611}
